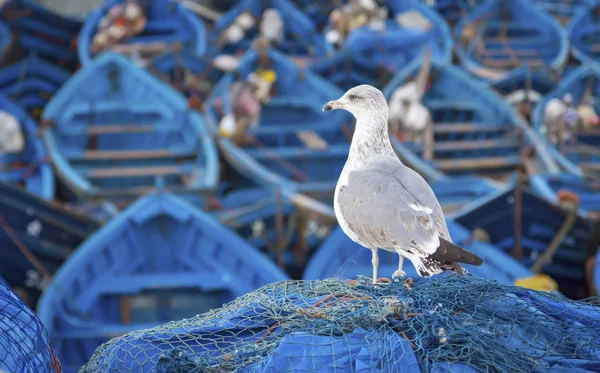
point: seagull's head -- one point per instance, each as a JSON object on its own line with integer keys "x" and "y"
{"x": 362, "y": 101}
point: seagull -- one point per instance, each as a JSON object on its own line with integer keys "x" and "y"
{"x": 382, "y": 204}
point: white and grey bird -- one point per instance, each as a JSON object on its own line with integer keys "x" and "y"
{"x": 382, "y": 204}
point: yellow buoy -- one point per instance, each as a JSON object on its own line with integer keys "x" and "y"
{"x": 268, "y": 75}
{"x": 538, "y": 282}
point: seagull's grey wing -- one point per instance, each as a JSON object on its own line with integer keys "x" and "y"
{"x": 383, "y": 213}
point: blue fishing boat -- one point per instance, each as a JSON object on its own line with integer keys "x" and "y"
{"x": 340, "y": 256}
{"x": 294, "y": 146}
{"x": 317, "y": 11}
{"x": 23, "y": 158}
{"x": 40, "y": 31}
{"x": 115, "y": 130}
{"x": 543, "y": 236}
{"x": 453, "y": 10}
{"x": 36, "y": 237}
{"x": 6, "y": 41}
{"x": 473, "y": 131}
{"x": 189, "y": 73}
{"x": 582, "y": 150}
{"x": 31, "y": 82}
{"x": 584, "y": 34}
{"x": 410, "y": 25}
{"x": 273, "y": 224}
{"x": 587, "y": 189}
{"x": 563, "y": 10}
{"x": 167, "y": 25}
{"x": 297, "y": 38}
{"x": 502, "y": 35}
{"x": 160, "y": 260}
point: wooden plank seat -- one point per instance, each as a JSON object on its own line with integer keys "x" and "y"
{"x": 106, "y": 129}
{"x": 487, "y": 163}
{"x": 510, "y": 63}
{"x": 109, "y": 172}
{"x": 477, "y": 144}
{"x": 110, "y": 155}
{"x": 449, "y": 128}
{"x": 297, "y": 152}
{"x": 590, "y": 166}
{"x": 498, "y": 52}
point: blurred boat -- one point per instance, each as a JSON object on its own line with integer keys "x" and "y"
{"x": 473, "y": 132}
{"x": 6, "y": 42}
{"x": 40, "y": 31}
{"x": 409, "y": 24}
{"x": 587, "y": 189}
{"x": 584, "y": 34}
{"x": 548, "y": 238}
{"x": 453, "y": 10}
{"x": 502, "y": 35}
{"x": 294, "y": 145}
{"x": 340, "y": 256}
{"x": 563, "y": 10}
{"x": 284, "y": 25}
{"x": 190, "y": 74}
{"x": 160, "y": 260}
{"x": 524, "y": 87}
{"x": 317, "y": 11}
{"x": 581, "y": 152}
{"x": 161, "y": 26}
{"x": 116, "y": 131}
{"x": 31, "y": 82}
{"x": 36, "y": 237}
{"x": 23, "y": 158}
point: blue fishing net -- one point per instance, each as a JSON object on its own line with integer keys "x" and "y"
{"x": 444, "y": 324}
{"x": 24, "y": 344}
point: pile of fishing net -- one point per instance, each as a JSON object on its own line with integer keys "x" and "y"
{"x": 24, "y": 345}
{"x": 457, "y": 324}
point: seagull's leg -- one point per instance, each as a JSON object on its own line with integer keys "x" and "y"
{"x": 399, "y": 273}
{"x": 375, "y": 262}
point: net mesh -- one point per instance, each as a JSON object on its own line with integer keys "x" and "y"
{"x": 24, "y": 343}
{"x": 457, "y": 324}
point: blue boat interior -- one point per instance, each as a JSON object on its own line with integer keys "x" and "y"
{"x": 317, "y": 11}
{"x": 584, "y": 34}
{"x": 31, "y": 82}
{"x": 301, "y": 38}
{"x": 453, "y": 10}
{"x": 43, "y": 32}
{"x": 540, "y": 222}
{"x": 586, "y": 188}
{"x": 160, "y": 260}
{"x": 538, "y": 80}
{"x": 295, "y": 108}
{"x": 584, "y": 86}
{"x": 32, "y": 227}
{"x": 339, "y": 256}
{"x": 561, "y": 9}
{"x": 474, "y": 132}
{"x": 29, "y": 167}
{"x": 509, "y": 33}
{"x": 119, "y": 130}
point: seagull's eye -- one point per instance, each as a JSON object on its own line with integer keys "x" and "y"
{"x": 353, "y": 97}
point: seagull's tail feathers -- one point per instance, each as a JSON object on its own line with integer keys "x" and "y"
{"x": 448, "y": 256}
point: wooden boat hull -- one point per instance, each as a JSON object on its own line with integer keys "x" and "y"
{"x": 492, "y": 45}
{"x": 36, "y": 237}
{"x": 160, "y": 260}
{"x": 168, "y": 23}
{"x": 584, "y": 34}
{"x": 128, "y": 135}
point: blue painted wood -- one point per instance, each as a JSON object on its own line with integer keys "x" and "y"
{"x": 453, "y": 10}
{"x": 541, "y": 220}
{"x": 340, "y": 256}
{"x": 279, "y": 157}
{"x": 43, "y": 32}
{"x": 389, "y": 48}
{"x": 31, "y": 82}
{"x": 121, "y": 132}
{"x": 46, "y": 230}
{"x": 586, "y": 188}
{"x": 167, "y": 21}
{"x": 160, "y": 260}
{"x": 532, "y": 37}
{"x": 301, "y": 37}
{"x": 576, "y": 158}
{"x": 30, "y": 167}
{"x": 472, "y": 125}
{"x": 564, "y": 11}
{"x": 584, "y": 34}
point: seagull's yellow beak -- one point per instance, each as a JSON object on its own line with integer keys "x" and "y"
{"x": 333, "y": 105}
